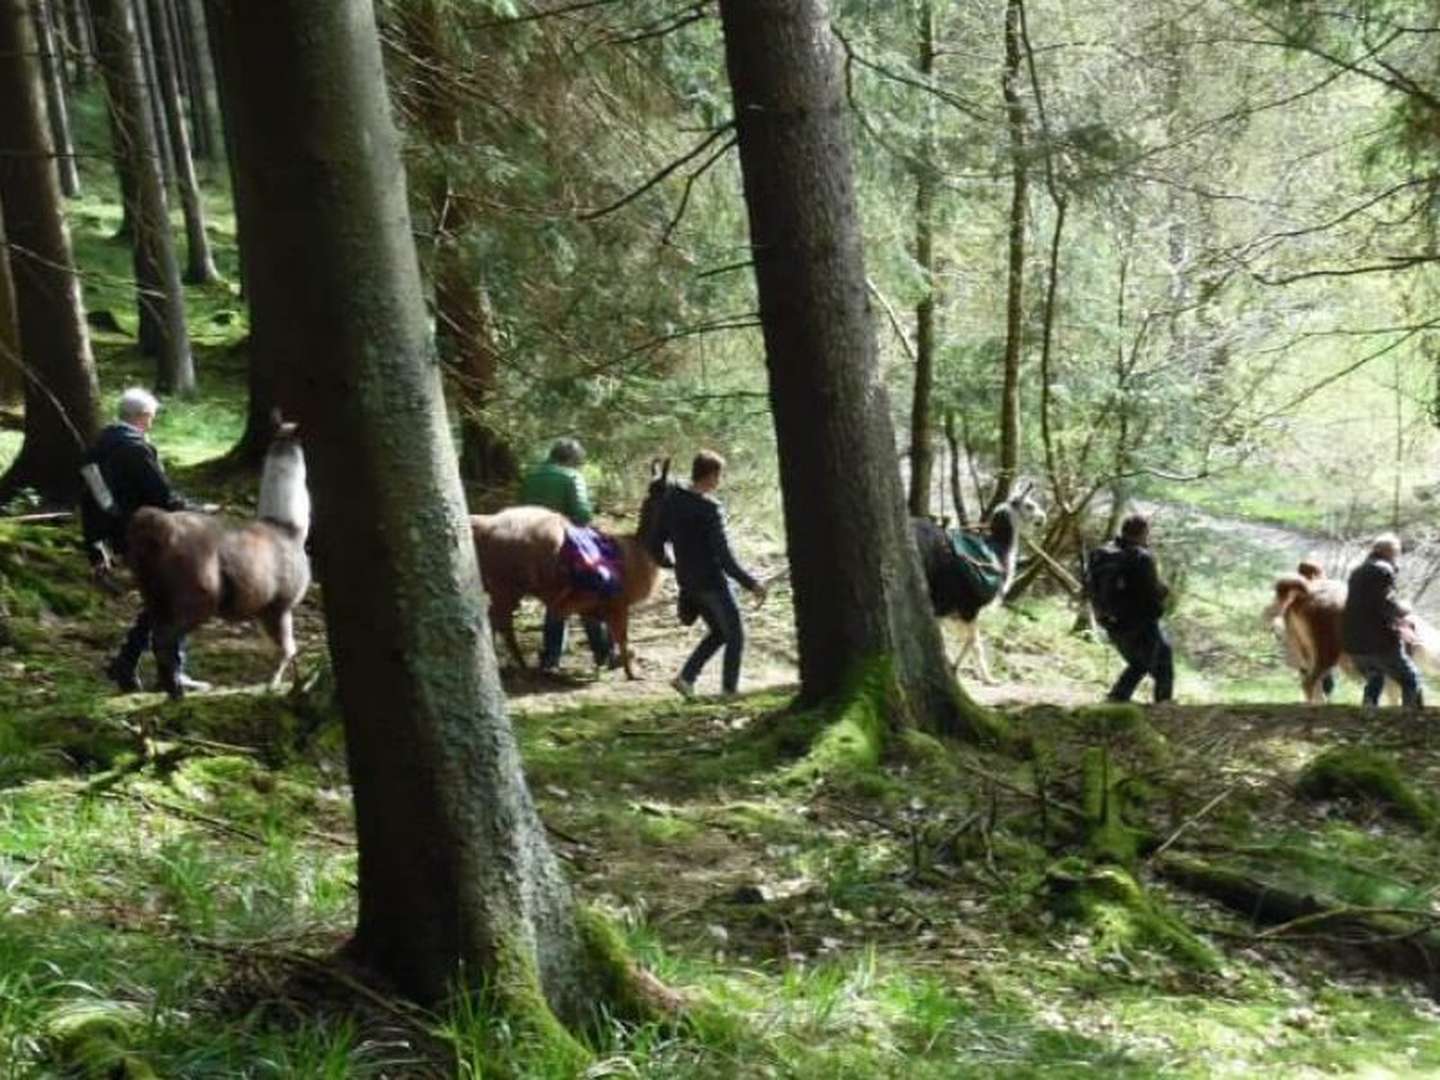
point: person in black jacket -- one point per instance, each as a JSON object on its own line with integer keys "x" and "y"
{"x": 694, "y": 526}
{"x": 1133, "y": 602}
{"x": 122, "y": 473}
{"x": 1371, "y": 628}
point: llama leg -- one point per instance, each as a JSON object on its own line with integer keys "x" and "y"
{"x": 281, "y": 629}
{"x": 620, "y": 634}
{"x": 502, "y": 618}
{"x": 980, "y": 659}
{"x": 967, "y": 642}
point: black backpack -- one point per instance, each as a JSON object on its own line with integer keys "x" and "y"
{"x": 1106, "y": 584}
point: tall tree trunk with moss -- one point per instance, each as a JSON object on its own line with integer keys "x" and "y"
{"x": 157, "y": 274}
{"x": 860, "y": 597}
{"x": 199, "y": 266}
{"x": 61, "y": 395}
{"x": 431, "y": 751}
{"x": 1015, "y": 121}
{"x": 52, "y": 69}
{"x": 922, "y": 421}
{"x": 465, "y": 327}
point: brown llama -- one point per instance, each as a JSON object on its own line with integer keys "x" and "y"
{"x": 192, "y": 567}
{"x": 519, "y": 554}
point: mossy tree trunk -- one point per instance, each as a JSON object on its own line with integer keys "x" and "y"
{"x": 157, "y": 274}
{"x": 61, "y": 395}
{"x": 859, "y": 594}
{"x": 457, "y": 884}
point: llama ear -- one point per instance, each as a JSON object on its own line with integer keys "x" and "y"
{"x": 654, "y": 469}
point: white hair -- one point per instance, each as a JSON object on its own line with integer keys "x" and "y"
{"x": 1386, "y": 545}
{"x": 137, "y": 402}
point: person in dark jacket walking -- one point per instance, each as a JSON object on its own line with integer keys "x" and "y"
{"x": 694, "y": 526}
{"x": 557, "y": 484}
{"x": 1372, "y": 626}
{"x": 121, "y": 474}
{"x": 1130, "y": 599}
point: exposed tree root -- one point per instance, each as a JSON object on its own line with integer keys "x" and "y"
{"x": 1391, "y": 941}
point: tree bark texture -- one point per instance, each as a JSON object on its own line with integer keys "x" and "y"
{"x": 859, "y": 593}
{"x": 61, "y": 395}
{"x": 1015, "y": 275}
{"x": 12, "y": 380}
{"x": 922, "y": 421}
{"x": 457, "y": 884}
{"x": 157, "y": 274}
{"x": 200, "y": 266}
{"x": 51, "y": 68}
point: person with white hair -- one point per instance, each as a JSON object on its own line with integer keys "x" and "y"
{"x": 1374, "y": 624}
{"x": 122, "y": 473}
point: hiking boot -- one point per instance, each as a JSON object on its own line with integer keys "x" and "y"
{"x": 683, "y": 687}
{"x": 193, "y": 686}
{"x": 126, "y": 678}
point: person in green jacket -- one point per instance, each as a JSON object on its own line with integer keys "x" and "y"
{"x": 558, "y": 485}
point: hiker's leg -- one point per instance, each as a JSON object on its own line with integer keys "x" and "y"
{"x": 710, "y": 643}
{"x": 552, "y": 642}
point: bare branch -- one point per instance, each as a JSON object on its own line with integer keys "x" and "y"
{"x": 723, "y": 129}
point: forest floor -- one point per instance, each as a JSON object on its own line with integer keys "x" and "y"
{"x": 174, "y": 877}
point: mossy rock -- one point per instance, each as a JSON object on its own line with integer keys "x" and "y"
{"x": 1105, "y": 797}
{"x": 1121, "y": 915}
{"x": 1355, "y": 772}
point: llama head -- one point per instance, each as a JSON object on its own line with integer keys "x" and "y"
{"x": 1025, "y": 512}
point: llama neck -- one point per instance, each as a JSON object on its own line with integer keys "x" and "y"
{"x": 1003, "y": 543}
{"x": 284, "y": 498}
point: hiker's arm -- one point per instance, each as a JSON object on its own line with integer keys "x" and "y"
{"x": 720, "y": 545}
{"x": 581, "y": 510}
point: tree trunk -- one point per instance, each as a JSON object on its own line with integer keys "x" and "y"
{"x": 859, "y": 595}
{"x": 51, "y": 67}
{"x": 12, "y": 377}
{"x": 200, "y": 267}
{"x": 204, "y": 93}
{"x": 157, "y": 274}
{"x": 61, "y": 414}
{"x": 150, "y": 88}
{"x": 1015, "y": 277}
{"x": 457, "y": 885}
{"x": 78, "y": 43}
{"x": 922, "y": 424}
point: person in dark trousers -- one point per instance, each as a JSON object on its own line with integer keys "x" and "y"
{"x": 557, "y": 484}
{"x": 1129, "y": 604}
{"x": 1372, "y": 628}
{"x": 694, "y": 526}
{"x": 121, "y": 474}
